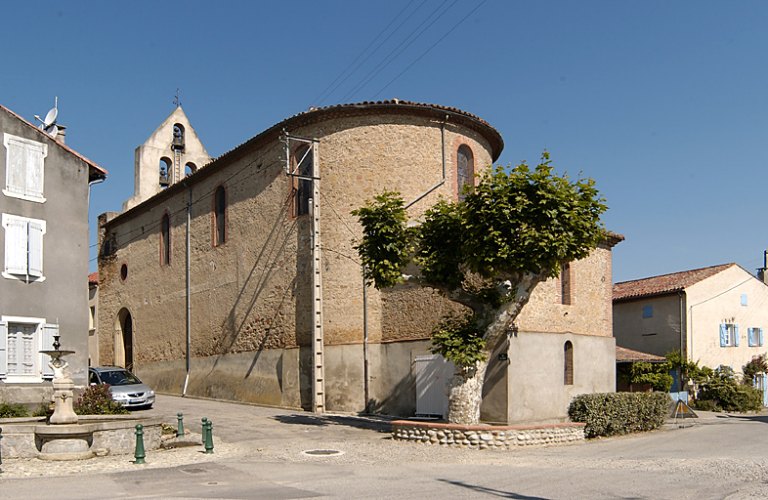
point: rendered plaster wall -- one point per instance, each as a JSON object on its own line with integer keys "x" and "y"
{"x": 657, "y": 334}
{"x": 717, "y": 300}
{"x": 537, "y": 392}
{"x": 251, "y": 296}
{"x": 63, "y": 296}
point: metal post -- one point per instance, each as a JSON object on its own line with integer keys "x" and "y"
{"x": 205, "y": 428}
{"x": 139, "y": 453}
{"x": 1, "y": 447}
{"x": 180, "y": 428}
{"x": 189, "y": 299}
{"x": 209, "y": 437}
{"x": 366, "y": 388}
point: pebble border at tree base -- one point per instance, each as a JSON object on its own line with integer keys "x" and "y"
{"x": 486, "y": 436}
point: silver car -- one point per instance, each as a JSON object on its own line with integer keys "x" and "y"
{"x": 126, "y": 388}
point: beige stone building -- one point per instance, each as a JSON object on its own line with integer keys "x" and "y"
{"x": 714, "y": 315}
{"x": 250, "y": 260}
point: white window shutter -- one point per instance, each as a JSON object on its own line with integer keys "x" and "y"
{"x": 3, "y": 349}
{"x": 49, "y": 330}
{"x": 16, "y": 246}
{"x": 723, "y": 335}
{"x": 34, "y": 174}
{"x": 15, "y": 178}
{"x": 760, "y": 337}
{"x": 736, "y": 335}
{"x": 36, "y": 231}
{"x": 751, "y": 337}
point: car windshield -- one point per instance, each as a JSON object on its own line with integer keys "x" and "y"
{"x": 119, "y": 377}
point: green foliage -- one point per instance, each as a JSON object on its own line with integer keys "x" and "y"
{"x": 12, "y": 410}
{"x": 97, "y": 400}
{"x": 513, "y": 222}
{"x": 458, "y": 339}
{"x": 387, "y": 242}
{"x": 689, "y": 370}
{"x": 529, "y": 221}
{"x": 722, "y": 388}
{"x": 756, "y": 366}
{"x": 44, "y": 409}
{"x": 655, "y": 374}
{"x": 608, "y": 414}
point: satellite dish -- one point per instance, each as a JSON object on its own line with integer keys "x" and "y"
{"x": 50, "y": 118}
{"x": 48, "y": 125}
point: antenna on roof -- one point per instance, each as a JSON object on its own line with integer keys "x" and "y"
{"x": 48, "y": 125}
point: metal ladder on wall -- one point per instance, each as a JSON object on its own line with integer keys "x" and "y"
{"x": 176, "y": 166}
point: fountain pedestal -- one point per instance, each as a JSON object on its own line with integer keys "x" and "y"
{"x": 63, "y": 396}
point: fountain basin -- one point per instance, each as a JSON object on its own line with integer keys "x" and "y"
{"x": 94, "y": 435}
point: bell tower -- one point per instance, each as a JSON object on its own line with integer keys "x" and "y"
{"x": 172, "y": 152}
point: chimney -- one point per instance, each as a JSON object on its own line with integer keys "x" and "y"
{"x": 762, "y": 273}
{"x": 61, "y": 135}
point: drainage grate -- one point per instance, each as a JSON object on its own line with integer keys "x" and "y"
{"x": 322, "y": 453}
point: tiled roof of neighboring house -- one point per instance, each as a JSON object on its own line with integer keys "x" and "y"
{"x": 665, "y": 283}
{"x": 93, "y": 278}
{"x": 98, "y": 171}
{"x": 624, "y": 355}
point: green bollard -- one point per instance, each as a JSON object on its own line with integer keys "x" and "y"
{"x": 180, "y": 429}
{"x": 204, "y": 429}
{"x": 209, "y": 438}
{"x": 139, "y": 453}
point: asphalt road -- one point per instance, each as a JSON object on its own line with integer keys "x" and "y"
{"x": 261, "y": 453}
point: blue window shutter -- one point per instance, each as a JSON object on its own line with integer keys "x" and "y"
{"x": 760, "y": 337}
{"x": 723, "y": 335}
{"x": 3, "y": 349}
{"x": 48, "y": 332}
{"x": 751, "y": 337}
{"x": 736, "y": 335}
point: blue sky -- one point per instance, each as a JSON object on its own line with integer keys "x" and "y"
{"x": 662, "y": 103}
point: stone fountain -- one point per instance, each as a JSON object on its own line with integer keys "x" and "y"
{"x": 63, "y": 439}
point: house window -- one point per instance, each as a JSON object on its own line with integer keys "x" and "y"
{"x": 219, "y": 216}
{"x": 729, "y": 335}
{"x": 755, "y": 337}
{"x": 21, "y": 340}
{"x": 565, "y": 284}
{"x": 465, "y": 170}
{"x": 302, "y": 160}
{"x": 23, "y": 248}
{"x": 24, "y": 162}
{"x": 744, "y": 299}
{"x": 568, "y": 365}
{"x": 165, "y": 240}
{"x": 647, "y": 312}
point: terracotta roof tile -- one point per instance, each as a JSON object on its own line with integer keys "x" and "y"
{"x": 93, "y": 278}
{"x": 103, "y": 172}
{"x": 624, "y": 355}
{"x": 665, "y": 283}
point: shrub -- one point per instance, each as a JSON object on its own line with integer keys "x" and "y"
{"x": 97, "y": 400}
{"x": 706, "y": 405}
{"x": 11, "y": 410}
{"x": 726, "y": 393}
{"x": 608, "y": 414}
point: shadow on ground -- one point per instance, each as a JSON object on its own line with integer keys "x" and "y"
{"x": 490, "y": 491}
{"x": 372, "y": 423}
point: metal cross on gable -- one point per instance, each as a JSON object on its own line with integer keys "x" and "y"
{"x": 177, "y": 100}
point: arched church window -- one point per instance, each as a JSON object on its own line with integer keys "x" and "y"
{"x": 178, "y": 136}
{"x": 465, "y": 170}
{"x": 219, "y": 216}
{"x": 165, "y": 240}
{"x": 568, "y": 364}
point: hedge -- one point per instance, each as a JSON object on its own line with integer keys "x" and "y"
{"x": 608, "y": 414}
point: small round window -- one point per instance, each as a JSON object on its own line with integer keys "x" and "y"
{"x": 123, "y": 272}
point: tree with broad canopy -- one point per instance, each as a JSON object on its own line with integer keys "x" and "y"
{"x": 513, "y": 230}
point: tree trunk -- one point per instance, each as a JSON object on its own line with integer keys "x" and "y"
{"x": 466, "y": 394}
